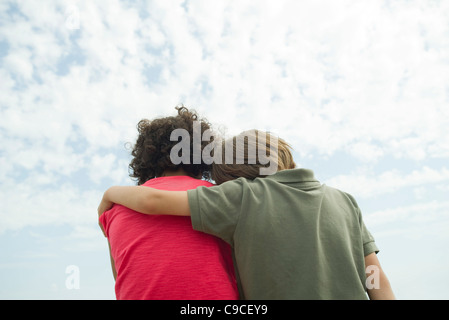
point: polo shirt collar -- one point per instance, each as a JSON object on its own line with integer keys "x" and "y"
{"x": 294, "y": 176}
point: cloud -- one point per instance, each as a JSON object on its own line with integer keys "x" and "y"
{"x": 415, "y": 221}
{"x": 369, "y": 185}
{"x": 368, "y": 80}
{"x": 26, "y": 205}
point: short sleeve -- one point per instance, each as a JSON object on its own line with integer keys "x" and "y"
{"x": 216, "y": 210}
{"x": 369, "y": 245}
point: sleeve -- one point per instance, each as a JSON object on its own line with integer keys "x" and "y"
{"x": 216, "y": 210}
{"x": 103, "y": 221}
{"x": 369, "y": 245}
{"x": 103, "y": 224}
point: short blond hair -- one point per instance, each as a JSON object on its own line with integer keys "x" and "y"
{"x": 250, "y": 168}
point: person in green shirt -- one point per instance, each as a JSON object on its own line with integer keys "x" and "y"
{"x": 292, "y": 237}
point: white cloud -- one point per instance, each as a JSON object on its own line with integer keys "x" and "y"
{"x": 19, "y": 63}
{"x": 365, "y": 151}
{"x": 367, "y": 185}
{"x": 26, "y": 205}
{"x": 334, "y": 80}
{"x": 365, "y": 79}
{"x": 417, "y": 221}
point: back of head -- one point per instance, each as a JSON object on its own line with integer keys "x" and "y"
{"x": 151, "y": 152}
{"x": 252, "y": 154}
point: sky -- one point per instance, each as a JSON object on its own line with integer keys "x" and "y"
{"x": 359, "y": 88}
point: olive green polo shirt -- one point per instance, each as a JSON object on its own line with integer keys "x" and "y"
{"x": 293, "y": 237}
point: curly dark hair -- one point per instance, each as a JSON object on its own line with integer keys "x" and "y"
{"x": 151, "y": 152}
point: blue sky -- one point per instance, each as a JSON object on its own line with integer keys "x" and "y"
{"x": 360, "y": 89}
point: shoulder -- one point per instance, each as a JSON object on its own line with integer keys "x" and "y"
{"x": 204, "y": 183}
{"x": 351, "y": 198}
{"x": 226, "y": 192}
{"x": 341, "y": 196}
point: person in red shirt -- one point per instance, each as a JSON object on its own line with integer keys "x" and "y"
{"x": 162, "y": 257}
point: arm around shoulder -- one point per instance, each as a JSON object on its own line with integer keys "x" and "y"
{"x": 146, "y": 200}
{"x": 167, "y": 202}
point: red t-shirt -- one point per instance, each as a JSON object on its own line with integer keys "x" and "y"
{"x": 160, "y": 257}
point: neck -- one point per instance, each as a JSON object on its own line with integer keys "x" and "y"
{"x": 177, "y": 172}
